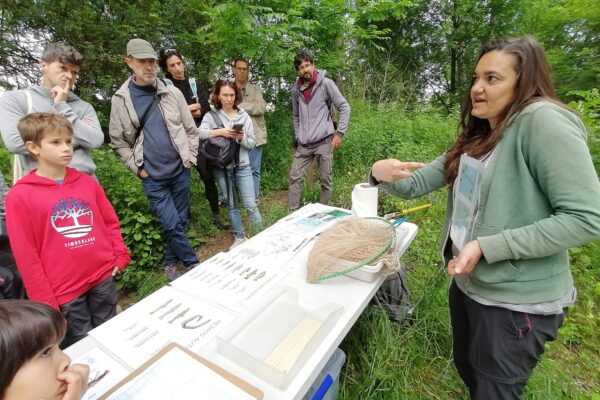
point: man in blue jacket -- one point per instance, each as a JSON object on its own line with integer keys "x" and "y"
{"x": 313, "y": 96}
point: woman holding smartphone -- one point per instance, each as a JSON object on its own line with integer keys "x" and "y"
{"x": 231, "y": 122}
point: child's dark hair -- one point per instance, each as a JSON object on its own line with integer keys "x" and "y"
{"x": 34, "y": 126}
{"x": 26, "y": 328}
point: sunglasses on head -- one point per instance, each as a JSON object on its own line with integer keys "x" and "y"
{"x": 170, "y": 52}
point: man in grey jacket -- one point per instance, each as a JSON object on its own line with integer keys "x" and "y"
{"x": 154, "y": 134}
{"x": 313, "y": 94}
{"x": 60, "y": 66}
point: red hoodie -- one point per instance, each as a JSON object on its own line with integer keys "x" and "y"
{"x": 66, "y": 238}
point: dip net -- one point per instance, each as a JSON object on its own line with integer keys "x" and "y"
{"x": 351, "y": 244}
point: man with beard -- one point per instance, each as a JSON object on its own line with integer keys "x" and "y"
{"x": 313, "y": 94}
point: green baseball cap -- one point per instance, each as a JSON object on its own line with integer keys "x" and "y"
{"x": 140, "y": 49}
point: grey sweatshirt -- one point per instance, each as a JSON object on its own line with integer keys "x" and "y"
{"x": 312, "y": 120}
{"x": 87, "y": 134}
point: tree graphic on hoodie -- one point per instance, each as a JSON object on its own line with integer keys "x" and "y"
{"x": 72, "y": 218}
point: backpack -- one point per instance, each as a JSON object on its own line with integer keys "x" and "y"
{"x": 220, "y": 151}
{"x": 393, "y": 297}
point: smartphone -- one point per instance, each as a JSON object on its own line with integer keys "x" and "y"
{"x": 238, "y": 127}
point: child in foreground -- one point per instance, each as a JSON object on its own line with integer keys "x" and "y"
{"x": 33, "y": 367}
{"x": 64, "y": 233}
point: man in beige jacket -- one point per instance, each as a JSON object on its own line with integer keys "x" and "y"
{"x": 154, "y": 134}
{"x": 254, "y": 104}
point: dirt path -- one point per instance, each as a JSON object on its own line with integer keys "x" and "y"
{"x": 222, "y": 241}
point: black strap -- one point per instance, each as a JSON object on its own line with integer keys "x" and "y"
{"x": 217, "y": 119}
{"x": 147, "y": 114}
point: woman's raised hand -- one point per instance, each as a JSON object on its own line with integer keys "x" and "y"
{"x": 392, "y": 170}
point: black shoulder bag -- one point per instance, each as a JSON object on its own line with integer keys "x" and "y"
{"x": 220, "y": 151}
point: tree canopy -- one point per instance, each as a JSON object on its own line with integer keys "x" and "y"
{"x": 383, "y": 50}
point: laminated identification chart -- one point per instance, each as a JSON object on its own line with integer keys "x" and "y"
{"x": 239, "y": 277}
{"x": 466, "y": 200}
{"x": 177, "y": 375}
{"x": 165, "y": 316}
{"x": 231, "y": 280}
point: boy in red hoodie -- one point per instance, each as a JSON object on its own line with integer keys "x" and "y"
{"x": 64, "y": 233}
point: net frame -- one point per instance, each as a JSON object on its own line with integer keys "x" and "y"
{"x": 389, "y": 245}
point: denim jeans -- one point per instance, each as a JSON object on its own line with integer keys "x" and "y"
{"x": 244, "y": 185}
{"x": 255, "y": 155}
{"x": 170, "y": 202}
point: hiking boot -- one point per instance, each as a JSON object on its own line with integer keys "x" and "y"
{"x": 218, "y": 221}
{"x": 172, "y": 272}
{"x": 237, "y": 242}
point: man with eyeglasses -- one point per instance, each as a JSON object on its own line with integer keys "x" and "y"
{"x": 154, "y": 134}
{"x": 313, "y": 95}
{"x": 254, "y": 104}
{"x": 60, "y": 65}
{"x": 171, "y": 63}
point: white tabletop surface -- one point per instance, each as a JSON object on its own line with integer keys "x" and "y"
{"x": 352, "y": 294}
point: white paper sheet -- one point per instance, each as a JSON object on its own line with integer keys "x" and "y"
{"x": 177, "y": 376}
{"x": 233, "y": 280}
{"x": 105, "y": 372}
{"x": 167, "y": 315}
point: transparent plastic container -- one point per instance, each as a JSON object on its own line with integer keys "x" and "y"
{"x": 252, "y": 340}
{"x": 327, "y": 384}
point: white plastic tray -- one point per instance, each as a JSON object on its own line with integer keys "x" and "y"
{"x": 250, "y": 339}
{"x": 405, "y": 233}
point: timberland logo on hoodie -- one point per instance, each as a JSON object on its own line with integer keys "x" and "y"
{"x": 72, "y": 218}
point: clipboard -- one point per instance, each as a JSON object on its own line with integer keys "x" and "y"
{"x": 148, "y": 365}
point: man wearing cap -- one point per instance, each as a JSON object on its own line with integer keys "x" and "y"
{"x": 60, "y": 66}
{"x": 155, "y": 136}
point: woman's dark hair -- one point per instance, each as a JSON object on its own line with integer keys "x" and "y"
{"x": 163, "y": 55}
{"x": 214, "y": 98}
{"x": 26, "y": 328}
{"x": 476, "y": 136}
